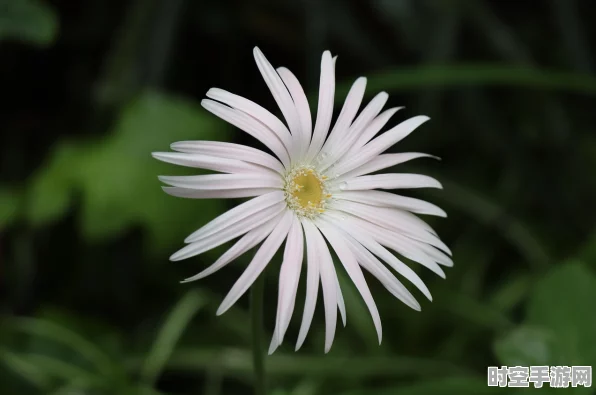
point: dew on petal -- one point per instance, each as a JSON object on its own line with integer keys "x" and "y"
{"x": 343, "y": 186}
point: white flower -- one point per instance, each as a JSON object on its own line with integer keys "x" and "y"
{"x": 316, "y": 187}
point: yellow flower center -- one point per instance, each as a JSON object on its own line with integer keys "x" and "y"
{"x": 309, "y": 189}
{"x": 305, "y": 191}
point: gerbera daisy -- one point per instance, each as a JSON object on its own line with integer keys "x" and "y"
{"x": 315, "y": 189}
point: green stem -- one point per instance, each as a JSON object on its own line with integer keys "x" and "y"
{"x": 256, "y": 311}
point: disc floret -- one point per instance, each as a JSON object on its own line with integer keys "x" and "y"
{"x": 306, "y": 191}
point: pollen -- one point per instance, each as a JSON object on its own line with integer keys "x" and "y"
{"x": 305, "y": 191}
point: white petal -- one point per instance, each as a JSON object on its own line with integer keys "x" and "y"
{"x": 301, "y": 103}
{"x": 251, "y": 126}
{"x": 346, "y": 116}
{"x": 382, "y": 162}
{"x": 387, "y": 199}
{"x": 231, "y": 232}
{"x": 347, "y": 138}
{"x": 244, "y": 244}
{"x": 377, "y": 269}
{"x": 278, "y": 90}
{"x": 380, "y": 144}
{"x": 255, "y": 111}
{"x": 325, "y": 106}
{"x": 367, "y": 241}
{"x": 351, "y": 265}
{"x": 258, "y": 263}
{"x": 396, "y": 242}
{"x": 373, "y": 128}
{"x": 227, "y": 150}
{"x": 400, "y": 221}
{"x": 217, "y": 194}
{"x": 289, "y": 275}
{"x": 389, "y": 181}
{"x": 236, "y": 214}
{"x": 341, "y": 305}
{"x": 224, "y": 181}
{"x": 209, "y": 162}
{"x": 328, "y": 281}
{"x": 312, "y": 284}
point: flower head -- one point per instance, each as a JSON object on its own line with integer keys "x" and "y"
{"x": 315, "y": 189}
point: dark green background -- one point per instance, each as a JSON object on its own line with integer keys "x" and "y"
{"x": 90, "y": 303}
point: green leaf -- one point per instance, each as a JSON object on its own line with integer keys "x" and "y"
{"x": 62, "y": 335}
{"x": 169, "y": 334}
{"x": 563, "y": 303}
{"x": 9, "y": 203}
{"x": 527, "y": 346}
{"x": 31, "y": 21}
{"x": 117, "y": 177}
{"x": 50, "y": 190}
{"x": 25, "y": 368}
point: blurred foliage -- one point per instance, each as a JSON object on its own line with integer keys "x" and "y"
{"x": 92, "y": 88}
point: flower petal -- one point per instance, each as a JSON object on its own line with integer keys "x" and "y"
{"x": 209, "y": 162}
{"x": 217, "y": 194}
{"x": 382, "y": 162}
{"x": 289, "y": 276}
{"x": 237, "y": 229}
{"x": 236, "y": 214}
{"x": 328, "y": 281}
{"x": 389, "y": 181}
{"x": 251, "y": 126}
{"x": 227, "y": 150}
{"x": 373, "y": 128}
{"x": 303, "y": 135}
{"x": 380, "y": 144}
{"x": 278, "y": 90}
{"x": 351, "y": 265}
{"x": 312, "y": 284}
{"x": 345, "y": 118}
{"x": 349, "y": 137}
{"x": 258, "y": 263}
{"x": 387, "y": 199}
{"x": 245, "y": 243}
{"x": 254, "y": 110}
{"x": 377, "y": 269}
{"x": 325, "y": 106}
{"x": 224, "y": 181}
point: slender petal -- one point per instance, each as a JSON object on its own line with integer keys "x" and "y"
{"x": 236, "y": 214}
{"x": 244, "y": 244}
{"x": 251, "y": 126}
{"x": 372, "y": 129}
{"x": 383, "y": 162}
{"x": 367, "y": 241}
{"x": 289, "y": 275}
{"x": 278, "y": 90}
{"x": 380, "y": 144}
{"x": 346, "y": 116}
{"x": 312, "y": 284}
{"x": 223, "y": 181}
{"x": 237, "y": 229}
{"x": 209, "y": 163}
{"x": 343, "y": 144}
{"x": 325, "y": 107}
{"x": 303, "y": 135}
{"x": 216, "y": 194}
{"x": 389, "y": 181}
{"x": 227, "y": 150}
{"x": 351, "y": 265}
{"x": 387, "y": 199}
{"x": 328, "y": 283}
{"x": 258, "y": 263}
{"x": 254, "y": 110}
